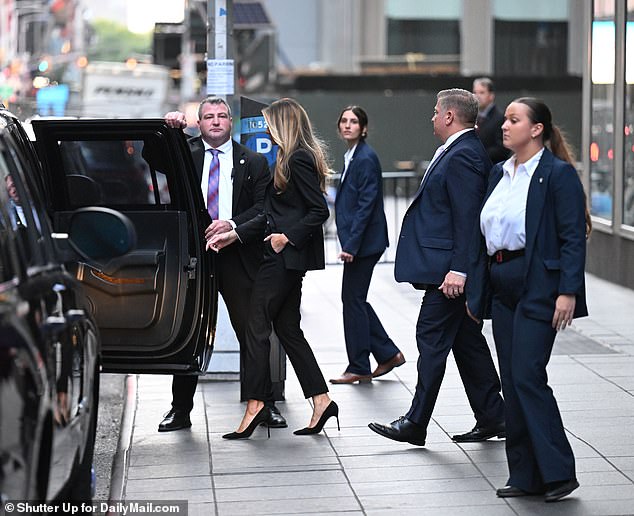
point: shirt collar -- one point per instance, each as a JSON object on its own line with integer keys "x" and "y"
{"x": 485, "y": 112}
{"x": 225, "y": 148}
{"x": 529, "y": 166}
{"x": 350, "y": 152}
{"x": 455, "y": 136}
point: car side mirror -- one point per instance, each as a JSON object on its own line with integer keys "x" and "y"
{"x": 98, "y": 233}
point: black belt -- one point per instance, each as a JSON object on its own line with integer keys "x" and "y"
{"x": 503, "y": 255}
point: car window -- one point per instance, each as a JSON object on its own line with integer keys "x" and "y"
{"x": 21, "y": 223}
{"x": 115, "y": 172}
{"x": 7, "y": 251}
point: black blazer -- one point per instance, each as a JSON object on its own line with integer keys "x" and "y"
{"x": 298, "y": 212}
{"x": 251, "y": 177}
{"x": 489, "y": 131}
{"x": 555, "y": 243}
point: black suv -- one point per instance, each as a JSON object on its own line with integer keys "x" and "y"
{"x": 102, "y": 267}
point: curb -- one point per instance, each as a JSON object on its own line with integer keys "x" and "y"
{"x": 121, "y": 458}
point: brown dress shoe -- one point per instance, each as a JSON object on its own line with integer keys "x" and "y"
{"x": 384, "y": 368}
{"x": 351, "y": 378}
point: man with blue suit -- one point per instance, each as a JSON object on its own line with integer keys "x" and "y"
{"x": 432, "y": 255}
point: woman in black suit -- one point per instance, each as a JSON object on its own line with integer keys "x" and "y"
{"x": 295, "y": 209}
{"x": 528, "y": 277}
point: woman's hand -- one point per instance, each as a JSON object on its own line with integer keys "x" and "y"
{"x": 221, "y": 240}
{"x": 564, "y": 311}
{"x": 278, "y": 241}
{"x": 345, "y": 257}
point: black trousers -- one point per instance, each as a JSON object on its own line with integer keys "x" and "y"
{"x": 537, "y": 449}
{"x": 362, "y": 328}
{"x": 235, "y": 287}
{"x": 443, "y": 325}
{"x": 276, "y": 299}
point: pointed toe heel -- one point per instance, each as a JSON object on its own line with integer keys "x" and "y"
{"x": 332, "y": 410}
{"x": 260, "y": 418}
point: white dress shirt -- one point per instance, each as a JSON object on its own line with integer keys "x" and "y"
{"x": 440, "y": 150}
{"x": 225, "y": 181}
{"x": 347, "y": 158}
{"x": 503, "y": 217}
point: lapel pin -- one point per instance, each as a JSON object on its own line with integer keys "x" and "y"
{"x": 541, "y": 179}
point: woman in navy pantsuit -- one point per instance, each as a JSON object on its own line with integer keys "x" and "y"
{"x": 362, "y": 232}
{"x": 528, "y": 277}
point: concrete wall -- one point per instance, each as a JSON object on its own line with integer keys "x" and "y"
{"x": 400, "y": 120}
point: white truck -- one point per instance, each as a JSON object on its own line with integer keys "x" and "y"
{"x": 111, "y": 89}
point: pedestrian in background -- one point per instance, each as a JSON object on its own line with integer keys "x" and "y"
{"x": 233, "y": 181}
{"x": 490, "y": 119}
{"x": 294, "y": 210}
{"x": 528, "y": 277}
{"x": 362, "y": 232}
{"x": 432, "y": 255}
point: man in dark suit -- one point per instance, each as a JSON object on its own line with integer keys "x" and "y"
{"x": 432, "y": 255}
{"x": 240, "y": 178}
{"x": 490, "y": 120}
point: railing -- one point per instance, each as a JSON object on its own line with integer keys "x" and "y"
{"x": 398, "y": 189}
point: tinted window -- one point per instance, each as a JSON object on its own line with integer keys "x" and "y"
{"x": 20, "y": 223}
{"x": 115, "y": 172}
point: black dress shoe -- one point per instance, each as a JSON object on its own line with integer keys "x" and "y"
{"x": 402, "y": 430}
{"x": 512, "y": 492}
{"x": 557, "y": 490}
{"x": 276, "y": 420}
{"x": 175, "y": 420}
{"x": 481, "y": 433}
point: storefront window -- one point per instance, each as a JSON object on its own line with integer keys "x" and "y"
{"x": 628, "y": 150}
{"x": 602, "y": 121}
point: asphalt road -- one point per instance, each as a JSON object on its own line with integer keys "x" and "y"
{"x": 111, "y": 397}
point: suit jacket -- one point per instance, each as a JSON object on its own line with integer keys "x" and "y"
{"x": 555, "y": 243}
{"x": 489, "y": 131}
{"x": 361, "y": 224}
{"x": 439, "y": 223}
{"x": 251, "y": 176}
{"x": 298, "y": 212}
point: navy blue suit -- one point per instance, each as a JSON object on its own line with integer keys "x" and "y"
{"x": 435, "y": 236}
{"x": 519, "y": 296}
{"x": 362, "y": 231}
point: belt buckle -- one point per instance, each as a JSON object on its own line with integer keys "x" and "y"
{"x": 499, "y": 258}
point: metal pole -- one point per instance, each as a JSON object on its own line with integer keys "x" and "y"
{"x": 220, "y": 66}
{"x": 187, "y": 63}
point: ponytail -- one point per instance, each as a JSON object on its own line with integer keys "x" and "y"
{"x": 539, "y": 113}
{"x": 562, "y": 149}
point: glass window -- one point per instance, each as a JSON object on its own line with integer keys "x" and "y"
{"x": 628, "y": 149}
{"x": 602, "y": 118}
{"x": 428, "y": 28}
{"x": 21, "y": 222}
{"x": 114, "y": 172}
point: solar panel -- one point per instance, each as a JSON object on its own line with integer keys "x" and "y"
{"x": 249, "y": 14}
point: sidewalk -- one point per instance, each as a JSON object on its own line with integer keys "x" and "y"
{"x": 357, "y": 472}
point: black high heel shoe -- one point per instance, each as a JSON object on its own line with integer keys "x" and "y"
{"x": 260, "y": 418}
{"x": 331, "y": 410}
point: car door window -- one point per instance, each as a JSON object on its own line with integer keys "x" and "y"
{"x": 22, "y": 221}
{"x": 115, "y": 172}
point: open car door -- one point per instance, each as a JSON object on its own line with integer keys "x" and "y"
{"x": 155, "y": 306}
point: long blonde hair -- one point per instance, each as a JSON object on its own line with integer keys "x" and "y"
{"x": 291, "y": 129}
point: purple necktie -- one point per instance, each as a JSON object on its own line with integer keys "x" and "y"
{"x": 212, "y": 186}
